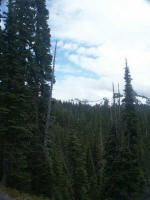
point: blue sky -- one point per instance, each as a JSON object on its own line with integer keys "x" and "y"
{"x": 94, "y": 38}
{"x": 66, "y": 67}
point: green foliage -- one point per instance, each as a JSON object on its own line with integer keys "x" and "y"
{"x": 94, "y": 189}
{"x": 62, "y": 179}
{"x": 15, "y": 133}
{"x": 20, "y": 93}
{"x": 129, "y": 116}
{"x": 87, "y": 161}
{"x": 123, "y": 177}
{"x": 134, "y": 175}
{"x": 112, "y": 179}
{"x": 77, "y": 168}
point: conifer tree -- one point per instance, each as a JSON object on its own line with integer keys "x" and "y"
{"x": 112, "y": 179}
{"x": 7, "y": 97}
{"x": 93, "y": 187}
{"x": 43, "y": 60}
{"x": 97, "y": 158}
{"x": 129, "y": 111}
{"x": 15, "y": 97}
{"x": 62, "y": 179}
{"x": 2, "y": 111}
{"x": 78, "y": 169}
{"x": 134, "y": 175}
{"x": 74, "y": 170}
{"x": 42, "y": 75}
{"x": 42, "y": 178}
{"x": 122, "y": 175}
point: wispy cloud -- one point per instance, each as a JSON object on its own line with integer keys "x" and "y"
{"x": 97, "y": 35}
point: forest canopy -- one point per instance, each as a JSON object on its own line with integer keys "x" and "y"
{"x": 58, "y": 149}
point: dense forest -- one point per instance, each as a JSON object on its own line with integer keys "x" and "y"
{"x": 63, "y": 150}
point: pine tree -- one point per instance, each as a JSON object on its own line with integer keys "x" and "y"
{"x": 62, "y": 178}
{"x": 129, "y": 111}
{"x": 42, "y": 76}
{"x": 93, "y": 187}
{"x": 15, "y": 94}
{"x": 122, "y": 175}
{"x": 78, "y": 169}
{"x": 97, "y": 158}
{"x": 2, "y": 111}
{"x": 134, "y": 176}
{"x": 112, "y": 179}
{"x": 42, "y": 176}
{"x": 43, "y": 60}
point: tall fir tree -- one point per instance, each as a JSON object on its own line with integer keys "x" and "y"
{"x": 77, "y": 165}
{"x": 129, "y": 111}
{"x": 2, "y": 45}
{"x": 112, "y": 178}
{"x": 15, "y": 98}
{"x": 75, "y": 159}
{"x": 42, "y": 72}
{"x": 93, "y": 186}
{"x": 62, "y": 179}
{"x": 122, "y": 176}
{"x": 134, "y": 176}
{"x": 43, "y": 60}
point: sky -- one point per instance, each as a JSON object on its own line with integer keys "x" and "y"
{"x": 94, "y": 38}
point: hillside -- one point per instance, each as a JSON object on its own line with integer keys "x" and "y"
{"x": 74, "y": 150}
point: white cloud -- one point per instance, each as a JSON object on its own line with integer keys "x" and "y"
{"x": 96, "y": 21}
{"x": 91, "y": 51}
{"x": 82, "y": 88}
{"x": 67, "y": 69}
{"x": 109, "y": 31}
{"x": 70, "y": 46}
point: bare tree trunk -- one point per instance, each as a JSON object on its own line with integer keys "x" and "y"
{"x": 119, "y": 101}
{"x": 113, "y": 88}
{"x": 48, "y": 120}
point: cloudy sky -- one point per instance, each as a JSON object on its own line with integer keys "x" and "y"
{"x": 94, "y": 38}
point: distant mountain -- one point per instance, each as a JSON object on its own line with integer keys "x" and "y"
{"x": 117, "y": 97}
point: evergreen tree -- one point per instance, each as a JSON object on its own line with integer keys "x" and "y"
{"x": 78, "y": 169}
{"x": 93, "y": 187}
{"x": 74, "y": 170}
{"x": 43, "y": 60}
{"x": 41, "y": 72}
{"x": 24, "y": 87}
{"x": 112, "y": 179}
{"x": 42, "y": 178}
{"x": 15, "y": 94}
{"x": 135, "y": 179}
{"x": 2, "y": 111}
{"x": 122, "y": 175}
{"x": 129, "y": 111}
{"x": 62, "y": 178}
{"x": 97, "y": 158}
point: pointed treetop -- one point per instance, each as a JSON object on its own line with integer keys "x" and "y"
{"x": 113, "y": 87}
{"x": 126, "y": 62}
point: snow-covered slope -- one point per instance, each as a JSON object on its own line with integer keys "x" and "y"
{"x": 139, "y": 100}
